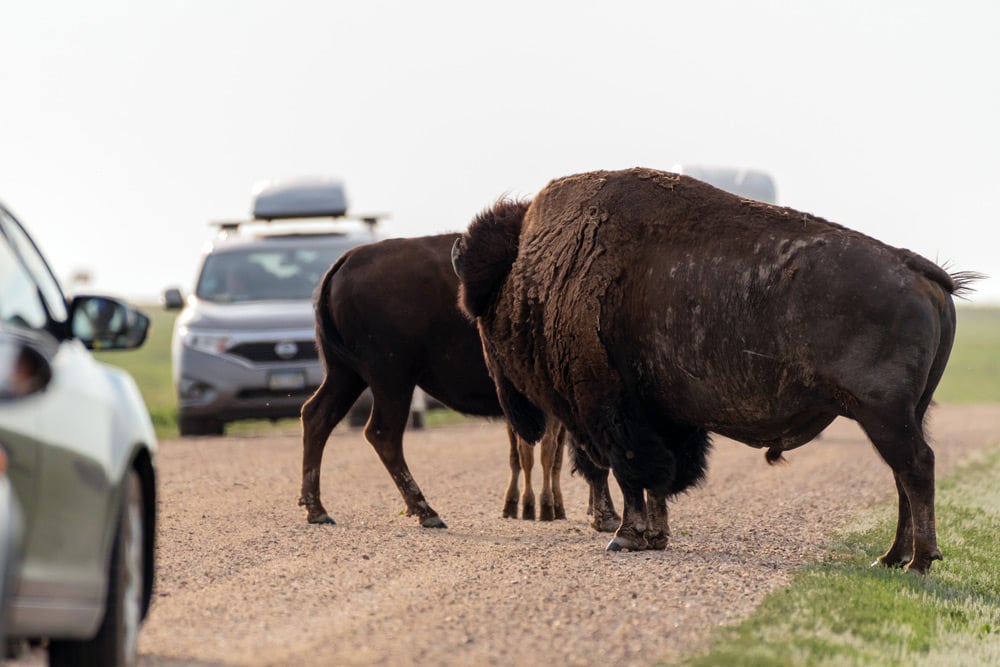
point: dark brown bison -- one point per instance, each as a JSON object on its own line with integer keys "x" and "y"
{"x": 387, "y": 317}
{"x": 646, "y": 309}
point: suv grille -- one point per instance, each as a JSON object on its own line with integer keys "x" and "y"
{"x": 263, "y": 352}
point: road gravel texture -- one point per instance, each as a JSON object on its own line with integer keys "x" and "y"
{"x": 244, "y": 580}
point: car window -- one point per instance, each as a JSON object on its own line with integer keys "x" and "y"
{"x": 30, "y": 293}
{"x": 260, "y": 274}
{"x": 20, "y": 301}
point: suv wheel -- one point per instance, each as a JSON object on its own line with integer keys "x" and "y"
{"x": 116, "y": 641}
{"x": 188, "y": 426}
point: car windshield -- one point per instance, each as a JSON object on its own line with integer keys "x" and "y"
{"x": 266, "y": 273}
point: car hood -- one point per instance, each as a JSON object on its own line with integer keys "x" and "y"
{"x": 249, "y": 316}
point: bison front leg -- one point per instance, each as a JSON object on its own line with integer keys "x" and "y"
{"x": 600, "y": 506}
{"x": 385, "y": 433}
{"x": 658, "y": 530}
{"x": 605, "y": 517}
{"x": 631, "y": 534}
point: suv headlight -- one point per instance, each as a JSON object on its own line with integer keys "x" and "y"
{"x": 210, "y": 343}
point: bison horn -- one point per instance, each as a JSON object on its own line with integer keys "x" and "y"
{"x": 456, "y": 255}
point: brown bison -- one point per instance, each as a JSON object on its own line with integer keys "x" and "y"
{"x": 387, "y": 317}
{"x": 645, "y": 309}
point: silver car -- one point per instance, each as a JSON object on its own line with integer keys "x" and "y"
{"x": 244, "y": 343}
{"x": 81, "y": 458}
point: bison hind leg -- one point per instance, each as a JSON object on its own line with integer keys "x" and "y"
{"x": 898, "y": 436}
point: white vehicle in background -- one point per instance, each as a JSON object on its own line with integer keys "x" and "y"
{"x": 244, "y": 343}
{"x": 749, "y": 183}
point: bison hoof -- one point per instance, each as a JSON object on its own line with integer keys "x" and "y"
{"x": 923, "y": 565}
{"x": 510, "y": 510}
{"x": 548, "y": 513}
{"x": 323, "y": 518}
{"x": 433, "y": 522}
{"x": 887, "y": 561}
{"x": 620, "y": 543}
{"x": 529, "y": 513}
{"x": 560, "y": 514}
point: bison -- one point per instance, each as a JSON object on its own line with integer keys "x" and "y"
{"x": 387, "y": 317}
{"x": 646, "y": 310}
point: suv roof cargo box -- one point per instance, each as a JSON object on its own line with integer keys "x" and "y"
{"x": 299, "y": 199}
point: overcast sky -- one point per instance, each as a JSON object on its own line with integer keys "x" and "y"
{"x": 126, "y": 126}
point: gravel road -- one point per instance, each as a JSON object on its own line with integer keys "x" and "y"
{"x": 243, "y": 580}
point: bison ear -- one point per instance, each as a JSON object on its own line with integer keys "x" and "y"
{"x": 528, "y": 421}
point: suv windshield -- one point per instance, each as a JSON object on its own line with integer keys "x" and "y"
{"x": 266, "y": 273}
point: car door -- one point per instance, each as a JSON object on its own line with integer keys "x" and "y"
{"x": 58, "y": 441}
{"x": 21, "y": 306}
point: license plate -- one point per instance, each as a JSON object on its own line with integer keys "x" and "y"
{"x": 286, "y": 380}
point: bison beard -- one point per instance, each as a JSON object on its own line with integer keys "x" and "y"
{"x": 645, "y": 309}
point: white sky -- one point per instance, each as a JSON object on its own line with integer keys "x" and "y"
{"x": 126, "y": 126}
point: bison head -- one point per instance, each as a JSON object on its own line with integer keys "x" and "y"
{"x": 483, "y": 255}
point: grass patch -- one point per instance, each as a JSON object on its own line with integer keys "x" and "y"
{"x": 150, "y": 366}
{"x": 843, "y": 612}
{"x": 973, "y": 373}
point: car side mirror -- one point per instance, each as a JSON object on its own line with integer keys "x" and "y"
{"x": 173, "y": 299}
{"x": 25, "y": 368}
{"x": 102, "y": 323}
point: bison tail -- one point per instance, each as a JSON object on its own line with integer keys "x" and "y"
{"x": 328, "y": 338}
{"x": 959, "y": 283}
{"x": 962, "y": 282}
{"x": 485, "y": 253}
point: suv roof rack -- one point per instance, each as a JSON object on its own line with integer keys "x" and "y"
{"x": 298, "y": 200}
{"x": 370, "y": 220}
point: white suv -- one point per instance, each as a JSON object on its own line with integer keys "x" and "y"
{"x": 244, "y": 343}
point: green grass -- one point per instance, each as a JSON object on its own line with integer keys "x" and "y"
{"x": 973, "y": 373}
{"x": 844, "y": 612}
{"x": 150, "y": 366}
